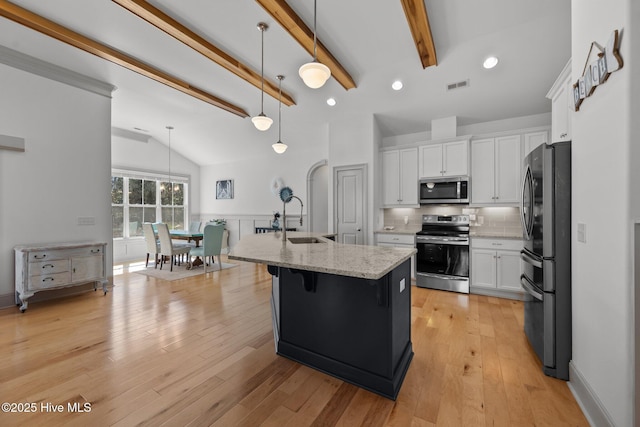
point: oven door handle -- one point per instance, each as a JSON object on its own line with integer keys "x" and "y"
{"x": 530, "y": 287}
{"x": 524, "y": 255}
{"x": 447, "y": 241}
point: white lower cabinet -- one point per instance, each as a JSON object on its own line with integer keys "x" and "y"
{"x": 399, "y": 241}
{"x": 495, "y": 267}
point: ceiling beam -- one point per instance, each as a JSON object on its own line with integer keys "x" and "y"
{"x": 52, "y": 29}
{"x": 164, "y": 22}
{"x": 416, "y": 13}
{"x": 293, "y": 24}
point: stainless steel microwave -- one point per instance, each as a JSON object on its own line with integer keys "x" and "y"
{"x": 444, "y": 190}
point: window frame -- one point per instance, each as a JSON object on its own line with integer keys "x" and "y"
{"x": 127, "y": 174}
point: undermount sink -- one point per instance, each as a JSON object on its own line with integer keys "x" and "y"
{"x": 305, "y": 240}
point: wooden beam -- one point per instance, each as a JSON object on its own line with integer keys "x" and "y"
{"x": 164, "y": 22}
{"x": 52, "y": 29}
{"x": 293, "y": 24}
{"x": 416, "y": 13}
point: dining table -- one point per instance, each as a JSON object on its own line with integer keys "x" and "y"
{"x": 189, "y": 237}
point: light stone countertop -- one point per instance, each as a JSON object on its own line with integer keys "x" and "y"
{"x": 367, "y": 262}
{"x": 490, "y": 235}
{"x": 401, "y": 229}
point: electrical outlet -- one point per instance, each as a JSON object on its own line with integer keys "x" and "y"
{"x": 402, "y": 285}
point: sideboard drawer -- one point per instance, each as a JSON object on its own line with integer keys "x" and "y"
{"x": 48, "y": 267}
{"x": 49, "y": 280}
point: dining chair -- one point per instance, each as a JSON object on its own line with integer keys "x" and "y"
{"x": 211, "y": 244}
{"x": 194, "y": 226}
{"x": 168, "y": 248}
{"x": 153, "y": 246}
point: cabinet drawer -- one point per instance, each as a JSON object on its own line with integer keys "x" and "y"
{"x": 48, "y": 267}
{"x": 403, "y": 239}
{"x": 49, "y": 280}
{"x": 497, "y": 244}
{"x": 38, "y": 256}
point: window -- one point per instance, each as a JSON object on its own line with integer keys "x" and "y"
{"x": 149, "y": 198}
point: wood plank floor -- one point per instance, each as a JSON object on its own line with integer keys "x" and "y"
{"x": 199, "y": 352}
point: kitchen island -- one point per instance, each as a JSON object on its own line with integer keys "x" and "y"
{"x": 342, "y": 309}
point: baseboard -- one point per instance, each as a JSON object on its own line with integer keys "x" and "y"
{"x": 7, "y": 300}
{"x": 478, "y": 290}
{"x": 591, "y": 406}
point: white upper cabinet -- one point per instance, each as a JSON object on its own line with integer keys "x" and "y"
{"x": 444, "y": 159}
{"x": 495, "y": 171}
{"x": 533, "y": 140}
{"x": 400, "y": 177}
{"x": 561, "y": 96}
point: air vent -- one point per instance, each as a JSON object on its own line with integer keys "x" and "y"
{"x": 457, "y": 85}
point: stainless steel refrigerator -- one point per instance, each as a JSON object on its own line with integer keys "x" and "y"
{"x": 546, "y": 220}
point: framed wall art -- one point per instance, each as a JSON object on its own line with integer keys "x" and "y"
{"x": 224, "y": 189}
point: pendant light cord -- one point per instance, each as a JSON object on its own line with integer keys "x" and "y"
{"x": 280, "y": 109}
{"x": 262, "y": 28}
{"x": 315, "y": 56}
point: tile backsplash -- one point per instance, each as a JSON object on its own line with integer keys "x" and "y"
{"x": 492, "y": 221}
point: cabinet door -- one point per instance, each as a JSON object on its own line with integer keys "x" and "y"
{"x": 391, "y": 178}
{"x": 483, "y": 268}
{"x": 533, "y": 140}
{"x": 430, "y": 161}
{"x": 87, "y": 268}
{"x": 482, "y": 171}
{"x": 560, "y": 114}
{"x": 455, "y": 158}
{"x": 507, "y": 167}
{"x": 509, "y": 270}
{"x": 409, "y": 176}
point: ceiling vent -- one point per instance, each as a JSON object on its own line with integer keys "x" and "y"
{"x": 458, "y": 85}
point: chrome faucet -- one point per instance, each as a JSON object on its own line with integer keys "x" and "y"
{"x": 284, "y": 216}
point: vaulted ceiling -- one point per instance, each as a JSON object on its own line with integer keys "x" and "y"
{"x": 209, "y": 53}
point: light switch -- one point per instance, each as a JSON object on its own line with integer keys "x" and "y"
{"x": 402, "y": 285}
{"x": 582, "y": 232}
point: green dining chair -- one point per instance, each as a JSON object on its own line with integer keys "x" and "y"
{"x": 211, "y": 244}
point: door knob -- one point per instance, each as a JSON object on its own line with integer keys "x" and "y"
{"x": 358, "y": 229}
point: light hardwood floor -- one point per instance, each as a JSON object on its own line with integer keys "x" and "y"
{"x": 199, "y": 351}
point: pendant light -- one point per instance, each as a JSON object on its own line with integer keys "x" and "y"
{"x": 279, "y": 147}
{"x": 314, "y": 74}
{"x": 261, "y": 121}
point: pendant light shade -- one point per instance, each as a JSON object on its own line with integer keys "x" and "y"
{"x": 279, "y": 147}
{"x": 261, "y": 121}
{"x": 314, "y": 74}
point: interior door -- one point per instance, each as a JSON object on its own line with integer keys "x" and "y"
{"x": 350, "y": 205}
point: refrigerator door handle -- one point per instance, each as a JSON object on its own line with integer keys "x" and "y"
{"x": 526, "y": 216}
{"x": 524, "y": 255}
{"x": 530, "y": 287}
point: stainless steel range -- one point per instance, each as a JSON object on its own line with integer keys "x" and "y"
{"x": 442, "y": 261}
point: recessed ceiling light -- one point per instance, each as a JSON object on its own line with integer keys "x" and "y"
{"x": 331, "y": 101}
{"x": 490, "y": 62}
{"x": 397, "y": 85}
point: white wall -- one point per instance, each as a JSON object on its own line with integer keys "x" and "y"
{"x": 151, "y": 156}
{"x": 354, "y": 140}
{"x": 602, "y": 188}
{"x": 64, "y": 172}
{"x": 253, "y": 202}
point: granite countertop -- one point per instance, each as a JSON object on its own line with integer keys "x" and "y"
{"x": 401, "y": 229}
{"x": 368, "y": 262}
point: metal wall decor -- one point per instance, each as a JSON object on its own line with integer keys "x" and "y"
{"x": 224, "y": 189}
{"x": 597, "y": 71}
